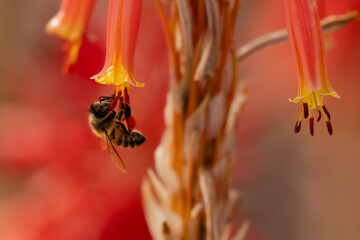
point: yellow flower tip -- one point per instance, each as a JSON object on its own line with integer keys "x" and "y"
{"x": 134, "y": 82}
{"x": 53, "y": 25}
{"x": 332, "y": 94}
{"x": 64, "y": 29}
{"x": 314, "y": 101}
{"x": 73, "y": 39}
{"x": 72, "y": 49}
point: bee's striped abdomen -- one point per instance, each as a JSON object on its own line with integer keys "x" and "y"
{"x": 138, "y": 138}
{"x": 128, "y": 141}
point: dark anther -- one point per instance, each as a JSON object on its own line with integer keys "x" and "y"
{"x": 326, "y": 112}
{"x": 306, "y": 110}
{"x": 127, "y": 112}
{"x": 121, "y": 111}
{"x": 319, "y": 117}
{"x": 166, "y": 228}
{"x": 311, "y": 125}
{"x": 297, "y": 127}
{"x": 126, "y": 95}
{"x": 329, "y": 127}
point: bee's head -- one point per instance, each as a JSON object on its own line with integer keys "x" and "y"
{"x": 99, "y": 109}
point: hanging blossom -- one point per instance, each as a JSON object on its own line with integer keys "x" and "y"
{"x": 304, "y": 29}
{"x": 122, "y": 30}
{"x": 71, "y": 24}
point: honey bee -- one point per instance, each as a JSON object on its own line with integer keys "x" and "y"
{"x": 106, "y": 123}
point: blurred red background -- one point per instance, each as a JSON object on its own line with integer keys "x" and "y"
{"x": 56, "y": 182}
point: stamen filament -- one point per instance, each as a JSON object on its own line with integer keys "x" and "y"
{"x": 117, "y": 90}
{"x": 301, "y": 112}
{"x": 317, "y": 107}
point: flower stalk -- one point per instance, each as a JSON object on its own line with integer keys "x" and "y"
{"x": 329, "y": 24}
{"x": 190, "y": 195}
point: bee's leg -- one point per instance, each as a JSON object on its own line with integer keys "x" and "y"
{"x": 108, "y": 118}
{"x": 124, "y": 128}
{"x": 130, "y": 121}
{"x": 101, "y": 99}
{"x": 107, "y": 98}
{"x": 114, "y": 101}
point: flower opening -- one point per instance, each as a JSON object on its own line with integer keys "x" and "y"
{"x": 122, "y": 29}
{"x": 304, "y": 29}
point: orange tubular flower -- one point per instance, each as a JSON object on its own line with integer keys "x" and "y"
{"x": 71, "y": 23}
{"x": 122, "y": 29}
{"x": 303, "y": 25}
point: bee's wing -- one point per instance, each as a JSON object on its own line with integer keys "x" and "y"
{"x": 114, "y": 154}
{"x": 103, "y": 145}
